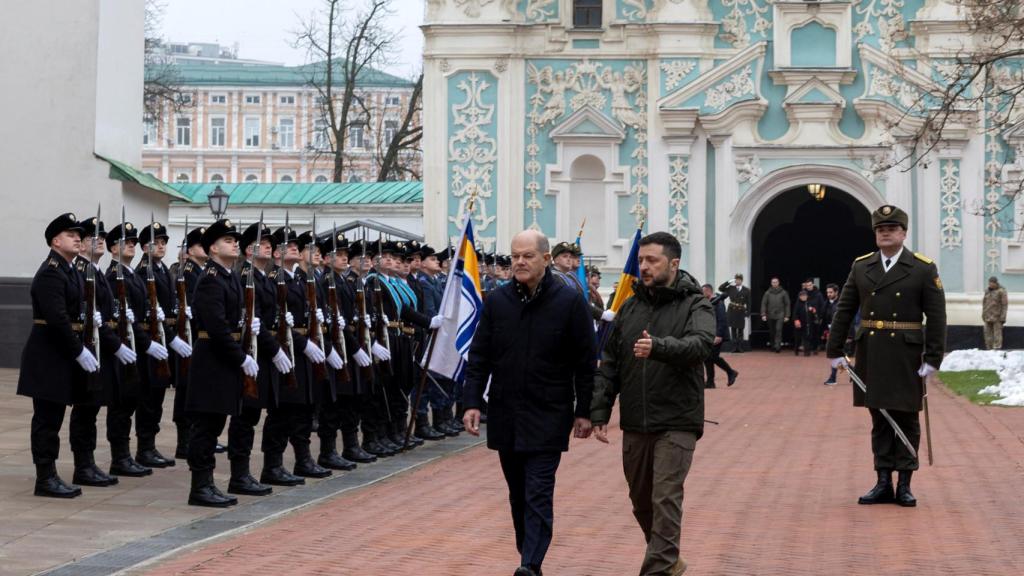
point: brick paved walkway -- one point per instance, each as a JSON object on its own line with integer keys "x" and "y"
{"x": 772, "y": 491}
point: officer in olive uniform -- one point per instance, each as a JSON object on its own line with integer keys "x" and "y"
{"x": 193, "y": 268}
{"x": 894, "y": 290}
{"x": 739, "y": 305}
{"x": 54, "y": 361}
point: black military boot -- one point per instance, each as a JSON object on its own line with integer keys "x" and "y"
{"x": 148, "y": 455}
{"x": 882, "y": 492}
{"x": 385, "y": 439}
{"x": 275, "y": 474}
{"x": 305, "y": 466}
{"x": 242, "y": 481}
{"x": 903, "y": 495}
{"x": 205, "y": 493}
{"x": 447, "y": 422}
{"x": 122, "y": 463}
{"x": 375, "y": 448}
{"x": 457, "y": 419}
{"x": 330, "y": 459}
{"x": 352, "y": 451}
{"x": 424, "y": 430}
{"x": 87, "y": 474}
{"x": 181, "y": 449}
{"x": 50, "y": 485}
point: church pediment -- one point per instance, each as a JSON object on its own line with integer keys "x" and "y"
{"x": 815, "y": 91}
{"x": 589, "y": 124}
{"x": 891, "y": 81}
{"x": 735, "y": 80}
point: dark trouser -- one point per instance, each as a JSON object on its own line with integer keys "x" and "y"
{"x": 276, "y": 428}
{"x": 148, "y": 415}
{"x": 242, "y": 433}
{"x": 815, "y": 334}
{"x": 736, "y": 334}
{"x": 202, "y": 442}
{"x": 656, "y": 466}
{"x": 82, "y": 428}
{"x": 889, "y": 451}
{"x": 376, "y": 411}
{"x": 330, "y": 420}
{"x": 119, "y": 426}
{"x": 531, "y": 493}
{"x": 348, "y": 413}
{"x": 302, "y": 428}
{"x": 715, "y": 359}
{"x": 437, "y": 391}
{"x": 47, "y": 418}
{"x": 775, "y": 329}
{"x": 398, "y": 404}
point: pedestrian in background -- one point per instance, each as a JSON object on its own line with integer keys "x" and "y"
{"x": 993, "y": 312}
{"x": 803, "y": 325}
{"x": 721, "y": 336}
{"x": 816, "y": 305}
{"x": 775, "y": 306}
{"x": 832, "y": 299}
{"x": 739, "y": 305}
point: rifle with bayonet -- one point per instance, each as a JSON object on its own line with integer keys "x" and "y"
{"x": 90, "y": 329}
{"x": 314, "y": 330}
{"x": 156, "y": 328}
{"x": 181, "y": 322}
{"x": 125, "y": 331}
{"x": 363, "y": 336}
{"x": 284, "y": 331}
{"x": 380, "y": 322}
{"x": 336, "y": 331}
{"x": 250, "y": 388}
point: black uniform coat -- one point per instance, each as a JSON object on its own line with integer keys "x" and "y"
{"x": 888, "y": 360}
{"x": 739, "y": 304}
{"x": 135, "y": 292}
{"x": 345, "y": 295}
{"x": 266, "y": 342}
{"x": 215, "y": 378}
{"x": 165, "y": 295}
{"x": 109, "y": 342}
{"x": 540, "y": 357}
{"x": 48, "y": 367}
{"x": 303, "y": 392}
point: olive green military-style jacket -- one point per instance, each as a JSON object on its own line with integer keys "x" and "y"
{"x": 902, "y": 323}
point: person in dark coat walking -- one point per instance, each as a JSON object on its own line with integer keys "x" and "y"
{"x": 721, "y": 336}
{"x": 804, "y": 320}
{"x": 816, "y": 306}
{"x": 535, "y": 343}
{"x": 739, "y": 308}
{"x": 775, "y": 308}
{"x": 831, "y": 301}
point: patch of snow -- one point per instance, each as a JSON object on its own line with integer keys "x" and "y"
{"x": 1009, "y": 365}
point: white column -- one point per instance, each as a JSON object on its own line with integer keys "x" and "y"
{"x": 200, "y": 172}
{"x": 269, "y": 168}
{"x": 199, "y": 129}
{"x": 234, "y": 167}
{"x": 236, "y": 127}
{"x": 730, "y": 253}
{"x": 972, "y": 192}
{"x": 165, "y": 168}
{"x": 929, "y": 205}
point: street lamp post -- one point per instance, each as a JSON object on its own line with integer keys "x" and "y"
{"x": 218, "y": 202}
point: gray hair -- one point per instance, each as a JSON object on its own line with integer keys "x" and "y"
{"x": 543, "y": 244}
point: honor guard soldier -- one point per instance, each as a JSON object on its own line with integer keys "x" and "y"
{"x": 195, "y": 260}
{"x": 82, "y": 429}
{"x": 55, "y": 361}
{"x": 122, "y": 242}
{"x": 895, "y": 291}
{"x": 739, "y": 305}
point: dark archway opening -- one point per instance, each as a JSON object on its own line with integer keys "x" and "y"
{"x": 797, "y": 237}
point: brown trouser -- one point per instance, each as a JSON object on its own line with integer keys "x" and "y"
{"x": 656, "y": 466}
{"x": 993, "y": 335}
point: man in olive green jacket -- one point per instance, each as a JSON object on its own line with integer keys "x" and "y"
{"x": 993, "y": 313}
{"x": 654, "y": 362}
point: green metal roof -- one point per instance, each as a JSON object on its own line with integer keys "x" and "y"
{"x": 227, "y": 73}
{"x": 126, "y": 173}
{"x": 308, "y": 193}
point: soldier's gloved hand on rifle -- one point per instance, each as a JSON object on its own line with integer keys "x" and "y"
{"x": 282, "y": 362}
{"x": 335, "y": 361}
{"x": 314, "y": 353}
{"x": 157, "y": 351}
{"x": 130, "y": 315}
{"x": 367, "y": 320}
{"x": 125, "y": 354}
{"x": 436, "y": 322}
{"x": 255, "y": 325}
{"x": 160, "y": 314}
{"x": 386, "y": 319}
{"x": 341, "y": 321}
{"x": 362, "y": 358}
{"x": 180, "y": 347}
{"x": 97, "y": 318}
{"x": 289, "y": 319}
{"x": 87, "y": 361}
{"x": 250, "y": 367}
{"x": 926, "y": 370}
{"x": 320, "y": 316}
{"x": 380, "y": 352}
{"x": 188, "y": 312}
{"x": 840, "y": 362}
{"x": 607, "y": 316}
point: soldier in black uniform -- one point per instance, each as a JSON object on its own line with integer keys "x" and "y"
{"x": 196, "y": 260}
{"x": 82, "y": 428}
{"x": 895, "y": 290}
{"x": 358, "y": 393}
{"x": 739, "y": 306}
{"x": 121, "y": 243}
{"x": 55, "y": 362}
{"x": 218, "y": 362}
{"x": 151, "y": 401}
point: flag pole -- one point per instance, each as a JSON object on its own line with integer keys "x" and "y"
{"x": 425, "y": 367}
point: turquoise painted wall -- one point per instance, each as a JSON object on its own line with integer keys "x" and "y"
{"x": 813, "y": 46}
{"x": 473, "y": 151}
{"x": 534, "y": 11}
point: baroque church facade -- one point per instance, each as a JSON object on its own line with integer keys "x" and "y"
{"x": 760, "y": 133}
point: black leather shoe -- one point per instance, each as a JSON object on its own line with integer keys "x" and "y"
{"x": 248, "y": 486}
{"x": 709, "y": 385}
{"x": 732, "y": 378}
{"x": 525, "y": 571}
{"x": 882, "y": 493}
{"x": 205, "y": 493}
{"x": 220, "y": 448}
{"x": 334, "y": 461}
{"x": 449, "y": 430}
{"x": 903, "y": 495}
{"x": 278, "y": 476}
{"x": 128, "y": 467}
{"x": 181, "y": 452}
{"x": 309, "y": 469}
{"x": 425, "y": 432}
{"x": 389, "y": 444}
{"x": 152, "y": 458}
{"x": 92, "y": 476}
{"x": 457, "y": 424}
{"x": 377, "y": 449}
{"x": 49, "y": 485}
{"x": 357, "y": 454}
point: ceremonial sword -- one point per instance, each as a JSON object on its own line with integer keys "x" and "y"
{"x": 896, "y": 427}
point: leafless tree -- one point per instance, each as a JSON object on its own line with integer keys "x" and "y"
{"x": 396, "y": 155}
{"x": 162, "y": 83}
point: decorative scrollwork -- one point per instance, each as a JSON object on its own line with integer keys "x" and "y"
{"x": 679, "y": 198}
{"x": 734, "y": 25}
{"x": 472, "y": 152}
{"x": 949, "y": 184}
{"x": 737, "y": 86}
{"x": 887, "y": 15}
{"x": 675, "y": 71}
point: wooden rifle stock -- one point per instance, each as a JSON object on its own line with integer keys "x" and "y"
{"x": 181, "y": 323}
{"x": 337, "y": 338}
{"x": 363, "y": 335}
{"x": 90, "y": 331}
{"x": 381, "y": 327}
{"x": 284, "y": 331}
{"x": 125, "y": 333}
{"x": 250, "y": 388}
{"x": 156, "y": 328}
{"x": 315, "y": 331}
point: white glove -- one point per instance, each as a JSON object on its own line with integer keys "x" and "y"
{"x": 188, "y": 312}
{"x": 282, "y": 362}
{"x": 362, "y": 358}
{"x": 97, "y": 318}
{"x": 160, "y": 314}
{"x": 368, "y": 320}
{"x": 386, "y": 319}
{"x": 341, "y": 321}
{"x": 840, "y": 362}
{"x": 125, "y": 354}
{"x": 289, "y": 319}
{"x": 334, "y": 360}
{"x": 157, "y": 351}
{"x": 130, "y": 315}
{"x": 250, "y": 367}
{"x": 314, "y": 353}
{"x": 255, "y": 325}
{"x": 87, "y": 361}
{"x": 607, "y": 316}
{"x": 436, "y": 322}
{"x": 926, "y": 370}
{"x": 380, "y": 352}
{"x": 180, "y": 347}
{"x": 320, "y": 316}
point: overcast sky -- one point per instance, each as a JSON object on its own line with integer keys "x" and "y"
{"x": 265, "y": 29}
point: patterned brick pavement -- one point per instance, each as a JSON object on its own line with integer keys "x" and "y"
{"x": 773, "y": 490}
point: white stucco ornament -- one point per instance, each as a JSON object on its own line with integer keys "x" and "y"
{"x": 737, "y": 86}
{"x": 675, "y": 71}
{"x": 748, "y": 169}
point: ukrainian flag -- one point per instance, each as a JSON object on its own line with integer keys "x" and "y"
{"x": 629, "y": 275}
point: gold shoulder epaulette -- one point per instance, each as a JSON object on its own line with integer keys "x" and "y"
{"x": 211, "y": 271}
{"x": 923, "y": 258}
{"x": 52, "y": 263}
{"x": 859, "y": 258}
{"x": 80, "y": 265}
{"x": 188, "y": 267}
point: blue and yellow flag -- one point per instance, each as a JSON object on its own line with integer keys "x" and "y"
{"x": 629, "y": 275}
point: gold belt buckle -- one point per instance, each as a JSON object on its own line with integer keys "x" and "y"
{"x": 879, "y": 324}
